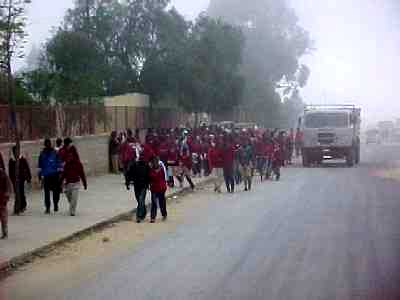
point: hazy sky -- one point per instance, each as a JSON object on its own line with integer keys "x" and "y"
{"x": 357, "y": 47}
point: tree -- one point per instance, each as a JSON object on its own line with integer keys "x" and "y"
{"x": 12, "y": 38}
{"x": 212, "y": 80}
{"x": 76, "y": 66}
{"x": 275, "y": 42}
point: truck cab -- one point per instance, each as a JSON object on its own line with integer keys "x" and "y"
{"x": 331, "y": 132}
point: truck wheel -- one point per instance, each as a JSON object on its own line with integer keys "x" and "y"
{"x": 350, "y": 158}
{"x": 306, "y": 159}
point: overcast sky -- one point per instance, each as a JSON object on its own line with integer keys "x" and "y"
{"x": 357, "y": 48}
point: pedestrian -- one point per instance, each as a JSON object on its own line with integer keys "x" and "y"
{"x": 139, "y": 175}
{"x": 216, "y": 165}
{"x": 278, "y": 158}
{"x": 72, "y": 175}
{"x": 113, "y": 153}
{"x": 205, "y": 146}
{"x": 24, "y": 176}
{"x": 185, "y": 166}
{"x": 50, "y": 166}
{"x": 228, "y": 164}
{"x": 59, "y": 144}
{"x": 260, "y": 156}
{"x": 289, "y": 146}
{"x": 158, "y": 188}
{"x": 196, "y": 150}
{"x": 246, "y": 158}
{"x": 236, "y": 164}
{"x": 128, "y": 151}
{"x": 173, "y": 162}
{"x": 298, "y": 142}
{"x": 5, "y": 191}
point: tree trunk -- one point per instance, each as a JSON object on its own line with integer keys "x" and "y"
{"x": 14, "y": 121}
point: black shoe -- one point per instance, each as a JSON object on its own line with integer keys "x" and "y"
{"x": 245, "y": 189}
{"x": 164, "y": 218}
{"x": 4, "y": 237}
{"x": 152, "y": 221}
{"x": 47, "y": 212}
{"x": 138, "y": 220}
{"x": 72, "y": 215}
{"x": 55, "y": 209}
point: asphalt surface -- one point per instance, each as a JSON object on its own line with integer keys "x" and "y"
{"x": 327, "y": 232}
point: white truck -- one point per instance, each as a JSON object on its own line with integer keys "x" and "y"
{"x": 331, "y": 132}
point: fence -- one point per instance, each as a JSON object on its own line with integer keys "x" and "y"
{"x": 35, "y": 122}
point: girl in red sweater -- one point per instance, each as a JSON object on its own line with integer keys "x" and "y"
{"x": 158, "y": 188}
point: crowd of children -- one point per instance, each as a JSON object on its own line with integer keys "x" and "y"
{"x": 231, "y": 156}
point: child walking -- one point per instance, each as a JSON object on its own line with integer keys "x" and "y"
{"x": 158, "y": 188}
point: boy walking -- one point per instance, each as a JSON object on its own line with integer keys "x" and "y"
{"x": 50, "y": 166}
{"x": 138, "y": 174}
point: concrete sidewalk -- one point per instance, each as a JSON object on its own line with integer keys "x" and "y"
{"x": 105, "y": 199}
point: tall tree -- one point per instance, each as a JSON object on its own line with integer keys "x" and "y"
{"x": 12, "y": 38}
{"x": 212, "y": 81}
{"x": 77, "y": 67}
{"x": 275, "y": 42}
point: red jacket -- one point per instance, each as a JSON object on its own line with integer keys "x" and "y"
{"x": 228, "y": 155}
{"x": 127, "y": 151}
{"x": 215, "y": 158}
{"x": 148, "y": 152}
{"x": 269, "y": 149}
{"x": 173, "y": 155}
{"x": 163, "y": 152}
{"x": 260, "y": 148}
{"x": 196, "y": 147}
{"x": 73, "y": 169}
{"x": 185, "y": 159}
{"x": 157, "y": 180}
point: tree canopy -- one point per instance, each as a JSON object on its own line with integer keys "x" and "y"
{"x": 275, "y": 43}
{"x": 109, "y": 47}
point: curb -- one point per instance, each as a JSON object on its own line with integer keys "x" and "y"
{"x": 26, "y": 258}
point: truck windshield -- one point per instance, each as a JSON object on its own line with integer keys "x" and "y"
{"x": 323, "y": 120}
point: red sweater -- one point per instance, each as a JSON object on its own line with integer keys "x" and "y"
{"x": 186, "y": 160}
{"x": 163, "y": 152}
{"x": 148, "y": 152}
{"x": 228, "y": 155}
{"x": 157, "y": 181}
{"x": 196, "y": 147}
{"x": 215, "y": 158}
{"x": 173, "y": 155}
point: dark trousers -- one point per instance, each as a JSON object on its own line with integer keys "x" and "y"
{"x": 276, "y": 168}
{"x": 22, "y": 206}
{"x": 140, "y": 194}
{"x": 158, "y": 199}
{"x": 206, "y": 167}
{"x": 229, "y": 179}
{"x": 238, "y": 175}
{"x": 52, "y": 183}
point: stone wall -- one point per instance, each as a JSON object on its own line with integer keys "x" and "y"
{"x": 93, "y": 151}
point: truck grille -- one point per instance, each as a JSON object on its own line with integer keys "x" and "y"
{"x": 326, "y": 138}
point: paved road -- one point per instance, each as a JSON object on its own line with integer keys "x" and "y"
{"x": 320, "y": 233}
